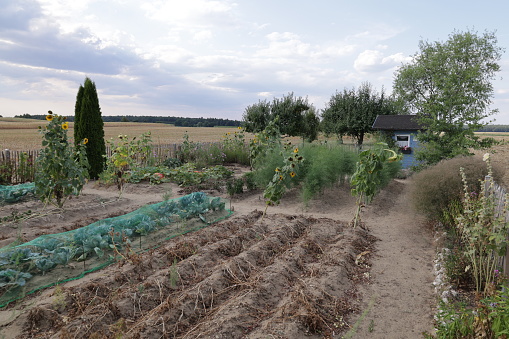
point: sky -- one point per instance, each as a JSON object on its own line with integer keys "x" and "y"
{"x": 199, "y": 58}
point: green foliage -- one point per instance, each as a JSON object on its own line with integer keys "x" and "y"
{"x": 488, "y": 319}
{"x": 288, "y": 172}
{"x": 448, "y": 85}
{"x": 311, "y": 125}
{"x": 188, "y": 176}
{"x": 434, "y": 189}
{"x": 265, "y": 142}
{"x": 23, "y": 172}
{"x": 126, "y": 156}
{"x": 353, "y": 112}
{"x": 292, "y": 114}
{"x": 172, "y": 162}
{"x": 368, "y": 177}
{"x": 483, "y": 232}
{"x": 88, "y": 124}
{"x": 250, "y": 181}
{"x": 235, "y": 148}
{"x": 290, "y": 110}
{"x": 266, "y": 163}
{"x": 12, "y": 278}
{"x": 235, "y": 186}
{"x": 257, "y": 116}
{"x": 188, "y": 150}
{"x": 324, "y": 167}
{"x": 456, "y": 267}
{"x": 61, "y": 169}
{"x": 6, "y": 172}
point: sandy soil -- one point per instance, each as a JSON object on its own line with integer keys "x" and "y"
{"x": 300, "y": 272}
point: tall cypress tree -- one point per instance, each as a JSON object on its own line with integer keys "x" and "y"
{"x": 77, "y": 116}
{"x": 88, "y": 124}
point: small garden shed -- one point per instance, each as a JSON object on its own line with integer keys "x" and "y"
{"x": 403, "y": 129}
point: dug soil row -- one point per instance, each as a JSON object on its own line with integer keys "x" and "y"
{"x": 283, "y": 276}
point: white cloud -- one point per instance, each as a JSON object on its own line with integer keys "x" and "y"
{"x": 373, "y": 61}
{"x": 288, "y": 47}
{"x": 194, "y": 13}
{"x": 265, "y": 94}
{"x": 203, "y": 36}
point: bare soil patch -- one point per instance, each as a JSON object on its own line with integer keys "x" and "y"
{"x": 300, "y": 272}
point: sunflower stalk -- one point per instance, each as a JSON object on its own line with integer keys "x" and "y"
{"x": 62, "y": 170}
{"x": 283, "y": 177}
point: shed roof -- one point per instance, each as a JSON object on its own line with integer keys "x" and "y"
{"x": 397, "y": 122}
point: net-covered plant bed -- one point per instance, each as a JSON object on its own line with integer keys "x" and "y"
{"x": 53, "y": 258}
{"x": 14, "y": 193}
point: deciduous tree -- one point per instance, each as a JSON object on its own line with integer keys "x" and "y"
{"x": 353, "y": 112}
{"x": 449, "y": 86}
{"x": 290, "y": 110}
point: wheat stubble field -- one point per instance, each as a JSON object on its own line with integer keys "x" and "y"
{"x": 19, "y": 134}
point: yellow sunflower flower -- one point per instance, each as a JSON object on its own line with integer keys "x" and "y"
{"x": 85, "y": 141}
{"x": 281, "y": 178}
{"x": 65, "y": 126}
{"x": 296, "y": 150}
{"x": 49, "y": 117}
{"x": 277, "y": 169}
{"x": 293, "y": 174}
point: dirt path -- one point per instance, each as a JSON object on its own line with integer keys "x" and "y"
{"x": 400, "y": 299}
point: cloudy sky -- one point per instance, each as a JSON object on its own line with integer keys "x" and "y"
{"x": 200, "y": 58}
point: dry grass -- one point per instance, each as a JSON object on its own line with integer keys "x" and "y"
{"x": 22, "y": 134}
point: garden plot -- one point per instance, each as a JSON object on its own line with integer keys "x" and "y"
{"x": 54, "y": 258}
{"x": 283, "y": 275}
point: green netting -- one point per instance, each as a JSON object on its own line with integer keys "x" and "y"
{"x": 14, "y": 193}
{"x": 55, "y": 258}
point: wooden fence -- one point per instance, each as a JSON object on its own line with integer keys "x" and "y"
{"x": 19, "y": 166}
{"x": 500, "y": 199}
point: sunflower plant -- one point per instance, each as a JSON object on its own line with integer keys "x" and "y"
{"x": 367, "y": 178}
{"x": 282, "y": 176}
{"x": 127, "y": 155}
{"x": 62, "y": 169}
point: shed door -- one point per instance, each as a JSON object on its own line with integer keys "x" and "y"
{"x": 402, "y": 140}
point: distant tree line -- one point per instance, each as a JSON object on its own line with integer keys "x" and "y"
{"x": 177, "y": 121}
{"x": 495, "y": 128}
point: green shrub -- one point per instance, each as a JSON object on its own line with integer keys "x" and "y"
{"x": 435, "y": 188}
{"x": 235, "y": 186}
{"x": 6, "y": 172}
{"x": 250, "y": 181}
{"x": 172, "y": 163}
{"x": 209, "y": 155}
